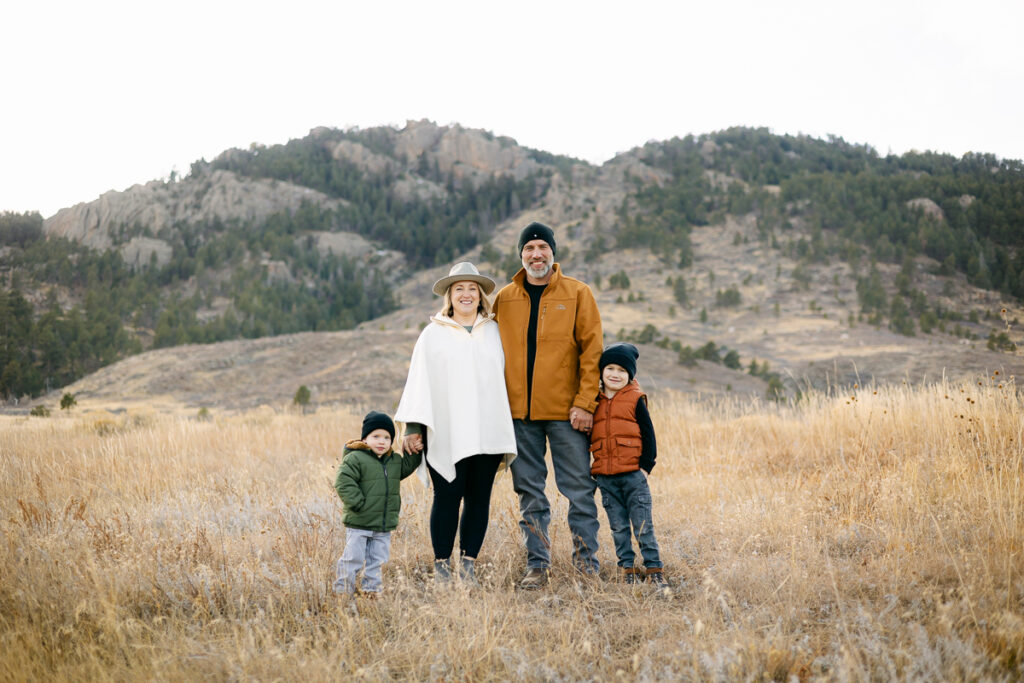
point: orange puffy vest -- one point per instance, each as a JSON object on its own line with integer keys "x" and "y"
{"x": 615, "y": 442}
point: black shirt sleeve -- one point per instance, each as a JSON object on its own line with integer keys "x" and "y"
{"x": 649, "y": 449}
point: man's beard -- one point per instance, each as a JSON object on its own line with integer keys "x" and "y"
{"x": 547, "y": 265}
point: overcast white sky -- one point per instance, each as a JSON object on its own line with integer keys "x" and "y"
{"x": 102, "y": 95}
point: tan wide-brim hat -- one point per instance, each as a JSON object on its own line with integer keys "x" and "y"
{"x": 459, "y": 273}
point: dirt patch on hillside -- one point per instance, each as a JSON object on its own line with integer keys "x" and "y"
{"x": 363, "y": 367}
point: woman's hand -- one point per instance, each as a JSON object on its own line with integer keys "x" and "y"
{"x": 412, "y": 443}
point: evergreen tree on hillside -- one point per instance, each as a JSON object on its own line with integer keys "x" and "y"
{"x": 115, "y": 307}
{"x": 855, "y": 202}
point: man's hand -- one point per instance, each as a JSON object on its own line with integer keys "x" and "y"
{"x": 412, "y": 444}
{"x": 580, "y": 419}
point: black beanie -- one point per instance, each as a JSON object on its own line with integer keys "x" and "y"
{"x": 623, "y": 354}
{"x": 537, "y": 231}
{"x": 375, "y": 420}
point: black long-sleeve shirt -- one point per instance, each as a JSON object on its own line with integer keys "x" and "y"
{"x": 649, "y": 447}
{"x": 535, "y": 292}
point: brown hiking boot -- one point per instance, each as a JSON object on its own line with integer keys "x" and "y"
{"x": 632, "y": 575}
{"x": 535, "y": 577}
{"x": 656, "y": 577}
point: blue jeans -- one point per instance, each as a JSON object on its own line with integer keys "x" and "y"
{"x": 570, "y": 458}
{"x": 627, "y": 500}
{"x": 362, "y": 547}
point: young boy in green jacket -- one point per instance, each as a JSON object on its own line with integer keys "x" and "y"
{"x": 368, "y": 483}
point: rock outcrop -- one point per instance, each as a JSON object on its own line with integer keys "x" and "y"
{"x": 410, "y": 188}
{"x": 356, "y": 247}
{"x": 469, "y": 155}
{"x": 139, "y": 251}
{"x": 363, "y": 158}
{"x": 157, "y": 205}
{"x": 928, "y": 207}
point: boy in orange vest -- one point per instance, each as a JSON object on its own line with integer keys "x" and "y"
{"x": 624, "y": 448}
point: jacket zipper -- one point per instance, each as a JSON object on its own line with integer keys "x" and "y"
{"x": 384, "y": 516}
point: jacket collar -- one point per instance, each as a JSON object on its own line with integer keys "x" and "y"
{"x": 360, "y": 445}
{"x": 442, "y": 319}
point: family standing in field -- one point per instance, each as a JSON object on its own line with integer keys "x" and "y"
{"x": 496, "y": 387}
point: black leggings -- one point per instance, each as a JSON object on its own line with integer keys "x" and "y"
{"x": 474, "y": 478}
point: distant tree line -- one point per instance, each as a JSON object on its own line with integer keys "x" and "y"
{"x": 116, "y": 308}
{"x": 44, "y": 352}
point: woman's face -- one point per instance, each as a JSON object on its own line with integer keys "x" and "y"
{"x": 465, "y": 298}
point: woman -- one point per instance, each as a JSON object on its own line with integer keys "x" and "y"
{"x": 455, "y": 409}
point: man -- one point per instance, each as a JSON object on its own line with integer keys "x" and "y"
{"x": 551, "y": 333}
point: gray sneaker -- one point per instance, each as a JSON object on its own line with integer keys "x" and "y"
{"x": 442, "y": 571}
{"x": 466, "y": 571}
{"x": 535, "y": 577}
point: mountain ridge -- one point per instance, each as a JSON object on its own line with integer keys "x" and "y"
{"x": 726, "y": 269}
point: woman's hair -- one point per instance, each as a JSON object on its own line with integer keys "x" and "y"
{"x": 484, "y": 307}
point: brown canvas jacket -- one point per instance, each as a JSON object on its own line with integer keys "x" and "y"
{"x": 569, "y": 342}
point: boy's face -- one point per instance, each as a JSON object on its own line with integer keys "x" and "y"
{"x": 379, "y": 441}
{"x": 614, "y": 377}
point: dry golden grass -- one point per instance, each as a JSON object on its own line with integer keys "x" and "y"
{"x": 871, "y": 535}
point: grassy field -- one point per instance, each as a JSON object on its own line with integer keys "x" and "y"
{"x": 864, "y": 535}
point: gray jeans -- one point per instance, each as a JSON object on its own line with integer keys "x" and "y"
{"x": 570, "y": 458}
{"x": 627, "y": 500}
{"x": 365, "y": 551}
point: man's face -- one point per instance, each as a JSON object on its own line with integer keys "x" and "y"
{"x": 537, "y": 259}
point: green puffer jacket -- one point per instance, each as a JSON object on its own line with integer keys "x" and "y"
{"x": 369, "y": 486}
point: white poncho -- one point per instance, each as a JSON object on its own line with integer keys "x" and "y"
{"x": 456, "y": 390}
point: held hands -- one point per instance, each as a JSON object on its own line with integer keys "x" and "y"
{"x": 412, "y": 443}
{"x": 580, "y": 419}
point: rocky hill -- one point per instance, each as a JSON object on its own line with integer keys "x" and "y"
{"x": 159, "y": 206}
{"x": 802, "y": 319}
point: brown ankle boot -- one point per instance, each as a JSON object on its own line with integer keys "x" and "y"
{"x": 632, "y": 575}
{"x": 536, "y": 577}
{"x": 656, "y": 576}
